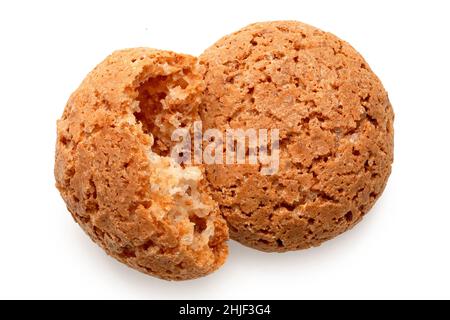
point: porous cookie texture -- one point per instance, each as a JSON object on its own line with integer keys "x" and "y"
{"x": 336, "y": 133}
{"x": 114, "y": 171}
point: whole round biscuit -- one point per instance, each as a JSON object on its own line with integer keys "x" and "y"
{"x": 336, "y": 133}
{"x": 113, "y": 171}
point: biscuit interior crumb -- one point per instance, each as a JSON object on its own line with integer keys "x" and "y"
{"x": 162, "y": 109}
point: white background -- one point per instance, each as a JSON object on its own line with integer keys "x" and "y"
{"x": 400, "y": 250}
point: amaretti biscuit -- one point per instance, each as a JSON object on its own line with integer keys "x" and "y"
{"x": 116, "y": 170}
{"x": 115, "y": 173}
{"x": 336, "y": 133}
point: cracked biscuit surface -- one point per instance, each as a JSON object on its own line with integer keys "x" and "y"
{"x": 336, "y": 133}
{"x": 113, "y": 171}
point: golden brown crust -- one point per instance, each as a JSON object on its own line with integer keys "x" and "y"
{"x": 336, "y": 133}
{"x": 109, "y": 184}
